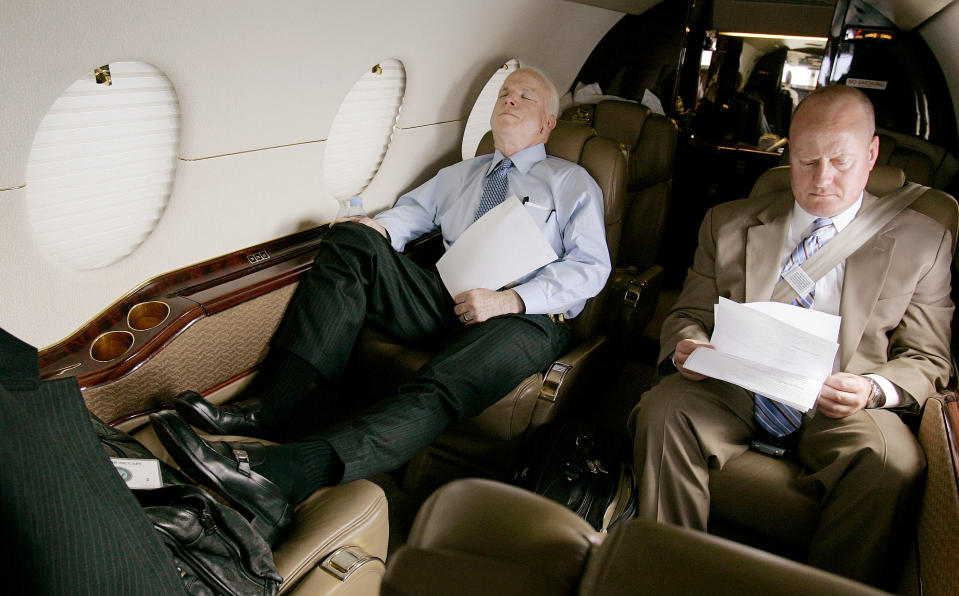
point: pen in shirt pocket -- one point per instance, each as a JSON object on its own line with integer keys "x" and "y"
{"x": 526, "y": 201}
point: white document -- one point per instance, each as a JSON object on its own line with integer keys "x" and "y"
{"x": 500, "y": 247}
{"x": 782, "y": 351}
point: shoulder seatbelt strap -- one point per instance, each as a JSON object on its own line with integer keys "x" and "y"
{"x": 863, "y": 227}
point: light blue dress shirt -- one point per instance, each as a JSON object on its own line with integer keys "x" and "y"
{"x": 564, "y": 201}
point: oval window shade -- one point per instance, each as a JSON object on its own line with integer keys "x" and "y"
{"x": 363, "y": 128}
{"x": 477, "y": 124}
{"x": 102, "y": 165}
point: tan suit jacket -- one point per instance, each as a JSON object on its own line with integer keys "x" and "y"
{"x": 896, "y": 308}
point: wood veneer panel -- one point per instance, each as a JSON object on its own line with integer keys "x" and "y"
{"x": 191, "y": 293}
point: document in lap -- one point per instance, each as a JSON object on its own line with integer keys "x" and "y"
{"x": 500, "y": 247}
{"x": 782, "y": 351}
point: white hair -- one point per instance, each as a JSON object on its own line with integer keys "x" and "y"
{"x": 552, "y": 95}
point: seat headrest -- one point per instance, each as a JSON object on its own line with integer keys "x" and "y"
{"x": 885, "y": 179}
{"x": 566, "y": 141}
{"x": 882, "y": 180}
{"x": 621, "y": 121}
{"x": 651, "y": 160}
{"x": 651, "y": 139}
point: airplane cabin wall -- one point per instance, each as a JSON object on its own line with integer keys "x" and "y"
{"x": 939, "y": 33}
{"x": 259, "y": 84}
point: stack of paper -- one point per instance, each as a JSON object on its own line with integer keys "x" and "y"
{"x": 499, "y": 248}
{"x": 782, "y": 351}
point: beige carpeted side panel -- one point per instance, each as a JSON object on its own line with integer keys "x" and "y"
{"x": 939, "y": 514}
{"x": 212, "y": 350}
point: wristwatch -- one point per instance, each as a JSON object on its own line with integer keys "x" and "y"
{"x": 877, "y": 398}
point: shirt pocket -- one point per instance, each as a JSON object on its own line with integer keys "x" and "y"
{"x": 540, "y": 213}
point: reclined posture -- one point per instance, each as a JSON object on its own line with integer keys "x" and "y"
{"x": 490, "y": 338}
{"x": 862, "y": 463}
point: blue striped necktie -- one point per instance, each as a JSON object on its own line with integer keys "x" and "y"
{"x": 494, "y": 192}
{"x": 775, "y": 418}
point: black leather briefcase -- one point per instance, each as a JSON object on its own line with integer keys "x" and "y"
{"x": 582, "y": 466}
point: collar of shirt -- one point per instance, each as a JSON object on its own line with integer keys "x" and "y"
{"x": 800, "y": 225}
{"x": 522, "y": 160}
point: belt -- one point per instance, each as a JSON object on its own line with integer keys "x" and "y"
{"x": 559, "y": 319}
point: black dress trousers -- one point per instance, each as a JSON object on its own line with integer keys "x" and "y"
{"x": 69, "y": 524}
{"x": 357, "y": 277}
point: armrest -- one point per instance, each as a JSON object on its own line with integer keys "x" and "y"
{"x": 631, "y": 303}
{"x": 644, "y": 557}
{"x": 426, "y": 250}
{"x": 349, "y": 515}
{"x": 568, "y": 374}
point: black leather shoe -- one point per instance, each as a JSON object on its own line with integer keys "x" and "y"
{"x": 226, "y": 468}
{"x": 240, "y": 419}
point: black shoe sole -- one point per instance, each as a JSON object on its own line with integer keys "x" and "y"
{"x": 262, "y": 521}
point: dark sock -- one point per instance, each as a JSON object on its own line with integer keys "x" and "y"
{"x": 300, "y": 468}
{"x": 281, "y": 383}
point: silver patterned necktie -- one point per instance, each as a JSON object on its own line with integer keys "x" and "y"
{"x": 494, "y": 192}
{"x": 775, "y": 418}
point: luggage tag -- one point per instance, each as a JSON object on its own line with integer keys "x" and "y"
{"x": 139, "y": 473}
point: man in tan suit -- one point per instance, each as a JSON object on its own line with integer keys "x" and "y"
{"x": 893, "y": 296}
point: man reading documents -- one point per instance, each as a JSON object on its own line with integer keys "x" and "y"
{"x": 860, "y": 461}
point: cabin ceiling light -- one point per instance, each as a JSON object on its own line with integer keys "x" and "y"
{"x": 772, "y": 36}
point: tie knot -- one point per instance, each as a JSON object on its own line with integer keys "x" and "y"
{"x": 504, "y": 164}
{"x": 820, "y": 223}
{"x": 822, "y": 230}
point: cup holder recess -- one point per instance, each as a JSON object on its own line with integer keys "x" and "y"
{"x": 111, "y": 345}
{"x": 147, "y": 315}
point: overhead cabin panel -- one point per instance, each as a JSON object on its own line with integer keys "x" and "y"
{"x": 257, "y": 75}
{"x": 909, "y": 14}
{"x": 627, "y": 6}
{"x": 808, "y": 18}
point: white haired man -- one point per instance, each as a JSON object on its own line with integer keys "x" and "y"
{"x": 490, "y": 338}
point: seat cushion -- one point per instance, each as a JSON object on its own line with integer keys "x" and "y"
{"x": 758, "y": 492}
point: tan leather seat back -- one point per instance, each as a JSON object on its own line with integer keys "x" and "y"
{"x": 605, "y": 160}
{"x": 650, "y": 142}
{"x": 916, "y": 165}
{"x": 644, "y": 557}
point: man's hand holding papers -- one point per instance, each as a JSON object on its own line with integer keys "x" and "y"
{"x": 781, "y": 351}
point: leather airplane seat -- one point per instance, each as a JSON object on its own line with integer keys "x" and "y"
{"x": 650, "y": 141}
{"x": 482, "y": 439}
{"x": 337, "y": 543}
{"x": 754, "y": 499}
{"x": 474, "y": 537}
